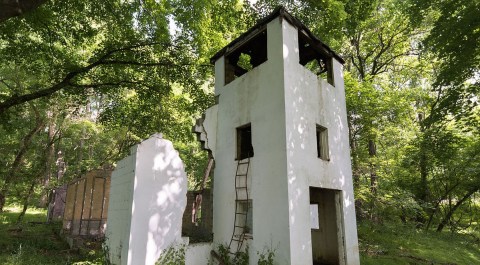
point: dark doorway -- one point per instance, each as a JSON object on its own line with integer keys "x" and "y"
{"x": 327, "y": 227}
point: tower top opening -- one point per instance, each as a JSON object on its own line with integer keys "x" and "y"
{"x": 256, "y": 32}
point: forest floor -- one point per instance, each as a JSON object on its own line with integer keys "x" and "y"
{"x": 34, "y": 242}
{"x": 400, "y": 244}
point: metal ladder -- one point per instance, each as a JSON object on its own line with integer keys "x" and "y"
{"x": 241, "y": 197}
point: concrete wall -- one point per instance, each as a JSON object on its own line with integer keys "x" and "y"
{"x": 148, "y": 198}
{"x": 120, "y": 208}
{"x": 254, "y": 98}
{"x": 284, "y": 102}
{"x": 198, "y": 254}
{"x": 210, "y": 128}
{"x": 309, "y": 101}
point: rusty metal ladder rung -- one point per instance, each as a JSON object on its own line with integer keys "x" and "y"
{"x": 240, "y": 237}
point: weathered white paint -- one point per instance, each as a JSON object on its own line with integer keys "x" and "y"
{"x": 284, "y": 102}
{"x": 148, "y": 198}
{"x": 198, "y": 254}
{"x": 120, "y": 208}
{"x": 314, "y": 223}
{"x": 209, "y": 124}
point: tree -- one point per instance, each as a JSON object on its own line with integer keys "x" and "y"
{"x": 98, "y": 47}
{"x": 453, "y": 40}
{"x": 61, "y": 54}
{"x": 20, "y": 153}
{"x": 451, "y": 43}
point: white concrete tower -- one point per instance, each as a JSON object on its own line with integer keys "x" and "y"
{"x": 281, "y": 110}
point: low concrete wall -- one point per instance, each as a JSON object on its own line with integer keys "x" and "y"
{"x": 147, "y": 203}
{"x": 198, "y": 254}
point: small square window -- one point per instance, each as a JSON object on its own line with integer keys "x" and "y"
{"x": 244, "y": 142}
{"x": 322, "y": 143}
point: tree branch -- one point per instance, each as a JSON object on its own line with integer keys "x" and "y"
{"x": 103, "y": 60}
{"x": 164, "y": 63}
{"x": 104, "y": 84}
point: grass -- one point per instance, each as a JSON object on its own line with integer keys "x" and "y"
{"x": 34, "y": 242}
{"x": 398, "y": 244}
{"x": 38, "y": 243}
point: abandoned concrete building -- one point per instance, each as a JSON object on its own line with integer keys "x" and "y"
{"x": 282, "y": 177}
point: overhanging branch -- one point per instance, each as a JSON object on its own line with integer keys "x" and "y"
{"x": 105, "y": 59}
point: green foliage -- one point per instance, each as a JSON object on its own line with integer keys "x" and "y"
{"x": 174, "y": 255}
{"x": 325, "y": 18}
{"x": 267, "y": 257}
{"x": 453, "y": 40}
{"x": 224, "y": 253}
{"x": 216, "y": 23}
{"x": 238, "y": 258}
{"x": 393, "y": 243}
{"x": 104, "y": 75}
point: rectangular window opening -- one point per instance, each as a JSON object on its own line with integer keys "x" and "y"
{"x": 244, "y": 142}
{"x": 247, "y": 56}
{"x": 246, "y": 207}
{"x": 315, "y": 58}
{"x": 322, "y": 143}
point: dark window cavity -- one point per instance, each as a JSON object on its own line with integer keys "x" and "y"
{"x": 322, "y": 143}
{"x": 315, "y": 58}
{"x": 246, "y": 207}
{"x": 246, "y": 56}
{"x": 244, "y": 142}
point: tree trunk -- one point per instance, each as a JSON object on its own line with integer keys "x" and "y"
{"x": 452, "y": 210}
{"x": 372, "y": 152}
{"x": 423, "y": 189}
{"x": 80, "y": 151}
{"x": 353, "y": 152}
{"x": 26, "y": 201}
{"x": 61, "y": 166}
{"x": 24, "y": 145}
{"x": 437, "y": 204}
{"x": 49, "y": 157}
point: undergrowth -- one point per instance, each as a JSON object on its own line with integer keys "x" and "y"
{"x": 35, "y": 242}
{"x": 401, "y": 244}
{"x": 174, "y": 255}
